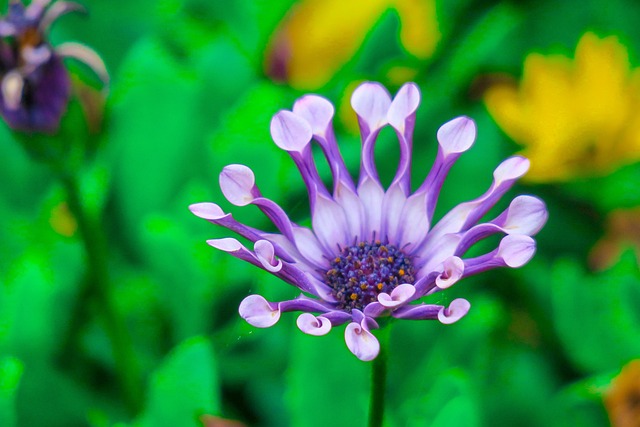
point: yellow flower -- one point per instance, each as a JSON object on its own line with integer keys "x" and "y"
{"x": 319, "y": 36}
{"x": 576, "y": 117}
{"x": 623, "y": 399}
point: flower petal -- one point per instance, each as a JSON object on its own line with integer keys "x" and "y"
{"x": 87, "y": 56}
{"x": 399, "y": 295}
{"x": 290, "y": 132}
{"x": 403, "y": 107}
{"x": 227, "y": 244}
{"x": 526, "y": 215}
{"x": 516, "y": 250}
{"x": 511, "y": 169}
{"x": 258, "y": 312}
{"x": 238, "y": 184}
{"x": 371, "y": 102}
{"x": 208, "y": 211}
{"x": 312, "y": 325}
{"x": 11, "y": 87}
{"x": 371, "y": 193}
{"x": 457, "y": 309}
{"x": 265, "y": 253}
{"x": 418, "y": 312}
{"x": 457, "y": 136}
{"x": 330, "y": 224}
{"x": 453, "y": 269}
{"x": 362, "y": 343}
{"x": 317, "y": 111}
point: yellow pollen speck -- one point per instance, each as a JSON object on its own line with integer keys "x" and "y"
{"x": 62, "y": 220}
{"x": 401, "y": 272}
{"x": 353, "y": 297}
{"x": 337, "y": 259}
{"x": 380, "y": 286}
{"x": 390, "y": 259}
{"x": 363, "y": 286}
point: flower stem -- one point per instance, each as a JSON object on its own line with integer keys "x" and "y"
{"x": 97, "y": 287}
{"x": 379, "y": 380}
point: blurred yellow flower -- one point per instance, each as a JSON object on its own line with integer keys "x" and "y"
{"x": 319, "y": 36}
{"x": 576, "y": 117}
{"x": 623, "y": 399}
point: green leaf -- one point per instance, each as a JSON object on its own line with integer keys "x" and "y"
{"x": 184, "y": 387}
{"x": 10, "y": 374}
{"x": 327, "y": 384}
{"x": 154, "y": 105}
{"x": 596, "y": 315}
{"x": 580, "y": 404}
{"x": 449, "y": 403}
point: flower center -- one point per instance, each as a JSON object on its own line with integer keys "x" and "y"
{"x": 363, "y": 271}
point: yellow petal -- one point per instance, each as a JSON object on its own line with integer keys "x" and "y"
{"x": 320, "y": 36}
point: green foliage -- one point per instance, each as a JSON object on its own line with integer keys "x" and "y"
{"x": 10, "y": 373}
{"x": 184, "y": 387}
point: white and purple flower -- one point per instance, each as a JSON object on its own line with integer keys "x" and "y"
{"x": 34, "y": 84}
{"x": 371, "y": 252}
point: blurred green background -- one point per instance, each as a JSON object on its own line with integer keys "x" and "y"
{"x": 194, "y": 86}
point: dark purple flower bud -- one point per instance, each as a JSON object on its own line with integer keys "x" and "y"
{"x": 34, "y": 84}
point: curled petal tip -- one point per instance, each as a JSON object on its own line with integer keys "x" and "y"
{"x": 399, "y": 295}
{"x": 362, "y": 343}
{"x": 312, "y": 325}
{"x": 290, "y": 132}
{"x": 457, "y": 136}
{"x": 265, "y": 253}
{"x": 209, "y": 211}
{"x": 258, "y": 312}
{"x": 453, "y": 269}
{"x": 457, "y": 310}
{"x": 237, "y": 183}
{"x": 516, "y": 250}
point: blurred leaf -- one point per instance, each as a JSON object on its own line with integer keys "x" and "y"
{"x": 327, "y": 384}
{"x": 10, "y": 373}
{"x": 184, "y": 387}
{"x": 449, "y": 403}
{"x": 596, "y": 315}
{"x": 580, "y": 404}
{"x": 616, "y": 190}
{"x": 177, "y": 260}
{"x": 152, "y": 130}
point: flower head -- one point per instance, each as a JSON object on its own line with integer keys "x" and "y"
{"x": 34, "y": 84}
{"x": 371, "y": 252}
{"x": 575, "y": 117}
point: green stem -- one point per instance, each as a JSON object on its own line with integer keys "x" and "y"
{"x": 379, "y": 380}
{"x": 97, "y": 286}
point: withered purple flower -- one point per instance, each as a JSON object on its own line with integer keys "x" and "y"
{"x": 371, "y": 252}
{"x": 34, "y": 84}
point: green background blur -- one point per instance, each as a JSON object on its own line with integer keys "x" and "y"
{"x": 188, "y": 96}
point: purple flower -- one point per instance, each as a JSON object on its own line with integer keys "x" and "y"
{"x": 371, "y": 252}
{"x": 34, "y": 84}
